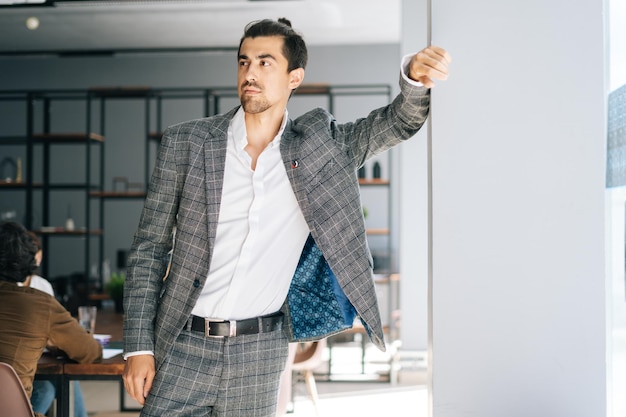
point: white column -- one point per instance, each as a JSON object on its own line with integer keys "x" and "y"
{"x": 616, "y": 300}
{"x": 518, "y": 304}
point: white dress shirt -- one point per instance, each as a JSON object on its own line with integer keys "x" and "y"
{"x": 260, "y": 233}
{"x": 40, "y": 284}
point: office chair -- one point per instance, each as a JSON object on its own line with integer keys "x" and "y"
{"x": 13, "y": 399}
{"x": 306, "y": 360}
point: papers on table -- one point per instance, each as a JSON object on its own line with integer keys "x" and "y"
{"x": 109, "y": 353}
{"x": 103, "y": 339}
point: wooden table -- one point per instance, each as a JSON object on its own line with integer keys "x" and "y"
{"x": 50, "y": 368}
{"x": 62, "y": 370}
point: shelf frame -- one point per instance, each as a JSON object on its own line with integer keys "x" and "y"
{"x": 154, "y": 98}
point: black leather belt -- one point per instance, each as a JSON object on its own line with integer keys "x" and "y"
{"x": 226, "y": 328}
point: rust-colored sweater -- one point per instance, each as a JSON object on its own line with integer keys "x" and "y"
{"x": 29, "y": 319}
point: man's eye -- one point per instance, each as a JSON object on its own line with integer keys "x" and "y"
{"x": 242, "y": 63}
{"x": 265, "y": 64}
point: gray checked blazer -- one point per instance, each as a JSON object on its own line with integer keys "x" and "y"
{"x": 321, "y": 158}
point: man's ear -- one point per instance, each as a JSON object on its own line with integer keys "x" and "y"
{"x": 295, "y": 78}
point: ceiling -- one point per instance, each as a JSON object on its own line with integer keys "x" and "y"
{"x": 127, "y": 26}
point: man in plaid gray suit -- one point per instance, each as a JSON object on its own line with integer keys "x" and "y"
{"x": 261, "y": 215}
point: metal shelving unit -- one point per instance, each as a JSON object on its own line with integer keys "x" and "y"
{"x": 38, "y": 111}
{"x": 38, "y": 135}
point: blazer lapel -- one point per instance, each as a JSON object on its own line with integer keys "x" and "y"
{"x": 214, "y": 164}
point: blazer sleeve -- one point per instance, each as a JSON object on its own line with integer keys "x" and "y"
{"x": 385, "y": 127}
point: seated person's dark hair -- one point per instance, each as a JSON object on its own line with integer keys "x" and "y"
{"x": 35, "y": 239}
{"x": 17, "y": 252}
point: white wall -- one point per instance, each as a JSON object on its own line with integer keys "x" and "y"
{"x": 518, "y": 203}
{"x": 413, "y": 203}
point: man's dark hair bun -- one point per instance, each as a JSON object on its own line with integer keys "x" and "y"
{"x": 284, "y": 21}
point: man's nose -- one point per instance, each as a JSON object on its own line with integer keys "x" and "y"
{"x": 250, "y": 74}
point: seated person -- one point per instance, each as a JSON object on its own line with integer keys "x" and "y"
{"x": 44, "y": 391}
{"x": 29, "y": 318}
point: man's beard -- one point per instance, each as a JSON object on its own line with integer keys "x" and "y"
{"x": 254, "y": 105}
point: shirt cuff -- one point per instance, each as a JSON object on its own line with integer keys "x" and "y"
{"x": 404, "y": 70}
{"x": 139, "y": 352}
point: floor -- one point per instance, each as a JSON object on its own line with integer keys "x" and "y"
{"x": 336, "y": 399}
{"x": 350, "y": 392}
{"x": 361, "y": 393}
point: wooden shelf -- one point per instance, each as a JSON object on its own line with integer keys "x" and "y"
{"x": 374, "y": 181}
{"x": 313, "y": 89}
{"x": 60, "y": 186}
{"x": 70, "y": 137}
{"x": 13, "y": 140}
{"x": 67, "y": 137}
{"x": 155, "y": 135}
{"x": 24, "y": 184}
{"x": 118, "y": 194}
{"x": 99, "y": 297}
{"x": 386, "y": 278}
{"x": 377, "y": 232}
{"x": 21, "y": 184}
{"x": 70, "y": 186}
{"x": 59, "y": 231}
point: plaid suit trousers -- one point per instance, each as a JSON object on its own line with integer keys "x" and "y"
{"x": 219, "y": 377}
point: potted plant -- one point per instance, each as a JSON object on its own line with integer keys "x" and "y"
{"x": 115, "y": 289}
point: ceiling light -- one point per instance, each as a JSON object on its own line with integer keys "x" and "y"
{"x": 32, "y": 23}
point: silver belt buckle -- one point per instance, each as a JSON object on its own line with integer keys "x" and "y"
{"x": 207, "y": 327}
{"x": 232, "y": 327}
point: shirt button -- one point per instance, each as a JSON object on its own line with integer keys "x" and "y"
{"x": 196, "y": 283}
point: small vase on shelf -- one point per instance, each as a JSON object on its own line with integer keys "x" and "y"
{"x": 18, "y": 174}
{"x": 69, "y": 222}
{"x": 376, "y": 171}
